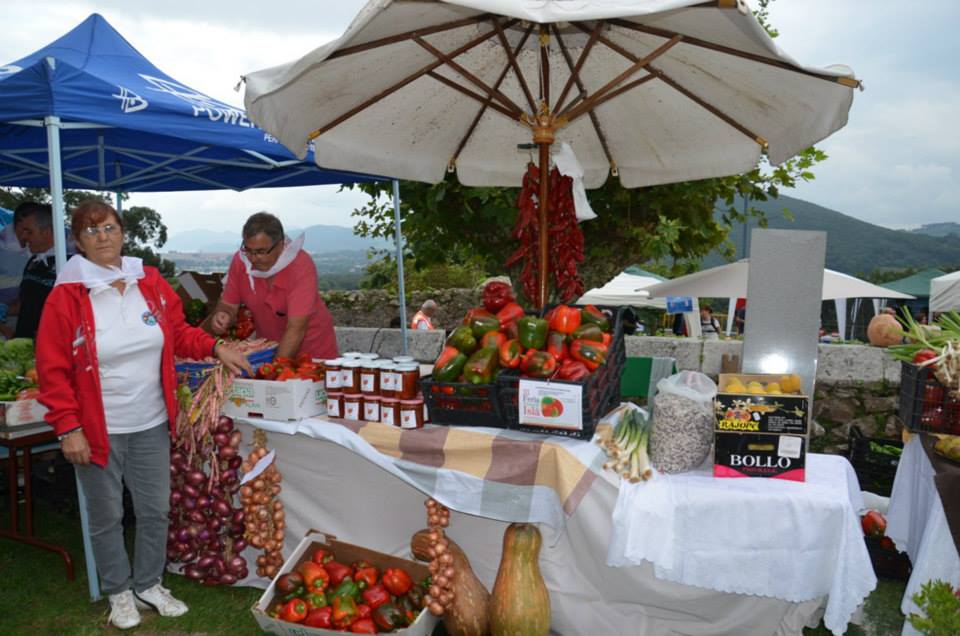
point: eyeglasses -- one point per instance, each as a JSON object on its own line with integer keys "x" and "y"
{"x": 108, "y": 229}
{"x": 260, "y": 252}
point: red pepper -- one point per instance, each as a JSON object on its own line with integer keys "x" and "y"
{"x": 315, "y": 600}
{"x": 557, "y": 345}
{"x": 565, "y": 319}
{"x": 376, "y": 595}
{"x": 267, "y": 371}
{"x": 510, "y": 354}
{"x": 573, "y": 371}
{"x": 320, "y": 617}
{"x": 873, "y": 524}
{"x": 364, "y": 626}
{"x": 510, "y": 330}
{"x": 396, "y": 581}
{"x": 365, "y": 577}
{"x": 289, "y": 582}
{"x": 363, "y": 610}
{"x": 321, "y": 556}
{"x": 495, "y": 295}
{"x": 337, "y": 571}
{"x": 590, "y": 353}
{"x": 315, "y": 576}
{"x": 607, "y": 339}
{"x": 286, "y": 374}
{"x": 587, "y": 331}
{"x": 923, "y": 355}
{"x": 344, "y": 611}
{"x": 593, "y": 315}
{"x": 492, "y": 339}
{"x": 538, "y": 364}
{"x": 509, "y": 313}
{"x": 294, "y": 611}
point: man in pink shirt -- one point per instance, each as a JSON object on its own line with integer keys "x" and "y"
{"x": 273, "y": 277}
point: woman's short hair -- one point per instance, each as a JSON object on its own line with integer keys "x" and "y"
{"x": 263, "y": 223}
{"x": 91, "y": 213}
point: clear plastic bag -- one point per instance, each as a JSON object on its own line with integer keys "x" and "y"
{"x": 683, "y": 422}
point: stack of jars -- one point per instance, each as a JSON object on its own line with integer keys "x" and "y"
{"x": 362, "y": 387}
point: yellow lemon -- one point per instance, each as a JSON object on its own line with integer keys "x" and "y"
{"x": 755, "y": 387}
{"x": 795, "y": 383}
{"x": 774, "y": 388}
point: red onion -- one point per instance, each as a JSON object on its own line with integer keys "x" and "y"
{"x": 228, "y": 477}
{"x": 205, "y": 562}
{"x": 188, "y": 556}
{"x": 235, "y": 462}
{"x": 221, "y": 508}
{"x": 236, "y": 564}
{"x": 224, "y": 424}
{"x": 190, "y": 491}
{"x": 197, "y": 517}
{"x": 216, "y": 492}
{"x": 228, "y": 579}
{"x": 238, "y": 516}
{"x": 196, "y": 478}
{"x": 237, "y": 529}
{"x": 203, "y": 502}
{"x": 204, "y": 535}
{"x": 239, "y": 545}
{"x": 183, "y": 536}
{"x": 234, "y": 487}
{"x": 214, "y": 523}
{"x": 219, "y": 567}
{"x": 227, "y": 452}
{"x": 236, "y": 438}
{"x": 175, "y": 497}
{"x": 221, "y": 439}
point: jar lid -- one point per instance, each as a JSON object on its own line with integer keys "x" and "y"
{"x": 403, "y": 359}
{"x": 334, "y": 394}
{"x": 391, "y": 400}
{"x": 386, "y": 364}
{"x": 368, "y": 356}
{"x": 351, "y": 354}
{"x": 370, "y": 364}
{"x": 333, "y": 362}
{"x": 352, "y": 396}
{"x": 412, "y": 402}
{"x": 351, "y": 363}
{"x": 371, "y": 398}
{"x": 408, "y": 367}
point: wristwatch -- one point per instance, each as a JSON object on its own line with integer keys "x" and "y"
{"x": 60, "y": 438}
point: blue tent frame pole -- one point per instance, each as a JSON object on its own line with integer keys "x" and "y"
{"x": 399, "y": 241}
{"x": 52, "y": 124}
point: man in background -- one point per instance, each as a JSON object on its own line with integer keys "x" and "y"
{"x": 423, "y": 319}
{"x": 40, "y": 272}
{"x": 14, "y": 255}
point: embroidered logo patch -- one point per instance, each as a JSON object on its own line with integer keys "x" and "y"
{"x": 149, "y": 319}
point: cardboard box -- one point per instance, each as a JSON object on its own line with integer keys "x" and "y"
{"x": 761, "y": 413}
{"x": 344, "y": 553}
{"x": 205, "y": 287}
{"x": 760, "y": 455}
{"x": 21, "y": 412}
{"x": 288, "y": 400}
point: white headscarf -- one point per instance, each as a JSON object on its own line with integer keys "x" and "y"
{"x": 80, "y": 270}
{"x": 290, "y": 250}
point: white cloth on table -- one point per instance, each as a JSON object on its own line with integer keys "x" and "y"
{"x": 769, "y": 537}
{"x": 917, "y": 524}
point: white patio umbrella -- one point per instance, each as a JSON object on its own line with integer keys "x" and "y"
{"x": 626, "y": 288}
{"x": 656, "y": 91}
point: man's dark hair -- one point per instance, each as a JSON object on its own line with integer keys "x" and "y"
{"x": 707, "y": 307}
{"x": 265, "y": 223}
{"x": 42, "y": 212}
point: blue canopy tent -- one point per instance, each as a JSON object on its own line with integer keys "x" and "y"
{"x": 88, "y": 111}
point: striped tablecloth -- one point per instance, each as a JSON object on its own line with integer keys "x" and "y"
{"x": 493, "y": 473}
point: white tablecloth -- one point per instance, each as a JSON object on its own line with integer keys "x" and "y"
{"x": 769, "y": 537}
{"x": 333, "y": 489}
{"x": 917, "y": 524}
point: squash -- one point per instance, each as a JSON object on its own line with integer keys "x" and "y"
{"x": 884, "y": 330}
{"x": 469, "y": 612}
{"x": 520, "y": 604}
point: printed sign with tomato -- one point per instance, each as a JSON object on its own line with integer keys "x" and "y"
{"x": 551, "y": 404}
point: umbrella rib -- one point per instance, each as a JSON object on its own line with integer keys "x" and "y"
{"x": 487, "y": 101}
{"x": 583, "y": 90}
{"x": 512, "y": 57}
{"x": 392, "y": 89}
{"x": 638, "y": 64}
{"x": 448, "y": 60}
{"x": 544, "y": 65}
{"x": 720, "y": 48}
{"x": 575, "y": 70}
{"x": 615, "y": 93}
{"x": 469, "y": 93}
{"x": 409, "y": 35}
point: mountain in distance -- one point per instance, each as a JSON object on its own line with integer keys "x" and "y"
{"x": 319, "y": 239}
{"x": 853, "y": 246}
{"x": 938, "y": 229}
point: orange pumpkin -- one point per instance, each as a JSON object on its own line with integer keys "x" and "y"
{"x": 884, "y": 330}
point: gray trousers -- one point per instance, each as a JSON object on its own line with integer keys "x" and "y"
{"x": 141, "y": 461}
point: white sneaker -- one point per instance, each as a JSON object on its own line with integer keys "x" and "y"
{"x": 123, "y": 611}
{"x": 159, "y": 599}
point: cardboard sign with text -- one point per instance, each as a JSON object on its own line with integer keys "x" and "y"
{"x": 551, "y": 404}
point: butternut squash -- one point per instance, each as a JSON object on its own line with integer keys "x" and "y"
{"x": 469, "y": 611}
{"x": 520, "y": 604}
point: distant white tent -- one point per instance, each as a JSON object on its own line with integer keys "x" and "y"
{"x": 626, "y": 288}
{"x": 945, "y": 292}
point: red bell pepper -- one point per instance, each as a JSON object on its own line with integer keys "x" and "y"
{"x": 449, "y": 364}
{"x": 320, "y": 617}
{"x": 573, "y": 371}
{"x": 388, "y": 617}
{"x": 315, "y": 577}
{"x": 376, "y": 595}
{"x": 595, "y": 316}
{"x": 538, "y": 364}
{"x": 510, "y": 354}
{"x": 289, "y": 583}
{"x": 286, "y": 374}
{"x": 480, "y": 322}
{"x": 557, "y": 345}
{"x": 397, "y": 581}
{"x": 588, "y": 331}
{"x": 495, "y": 295}
{"x": 492, "y": 339}
{"x": 365, "y": 577}
{"x": 565, "y": 319}
{"x": 510, "y": 330}
{"x": 363, "y": 610}
{"x": 363, "y": 626}
{"x": 923, "y": 355}
{"x": 607, "y": 339}
{"x": 344, "y": 611}
{"x": 267, "y": 371}
{"x": 294, "y": 611}
{"x": 509, "y": 313}
{"x": 321, "y": 556}
{"x": 337, "y": 571}
{"x": 873, "y": 524}
{"x": 590, "y": 353}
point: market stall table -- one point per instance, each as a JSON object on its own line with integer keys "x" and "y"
{"x": 365, "y": 483}
{"x": 918, "y": 525}
{"x": 13, "y": 448}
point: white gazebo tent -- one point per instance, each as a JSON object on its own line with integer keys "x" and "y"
{"x": 945, "y": 293}
{"x": 626, "y": 288}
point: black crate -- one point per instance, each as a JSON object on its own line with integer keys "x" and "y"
{"x": 461, "y": 403}
{"x": 925, "y": 403}
{"x": 887, "y": 562}
{"x": 601, "y": 391}
{"x": 875, "y": 468}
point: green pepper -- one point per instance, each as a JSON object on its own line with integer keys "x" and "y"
{"x": 510, "y": 354}
{"x": 481, "y": 366}
{"x": 481, "y": 321}
{"x": 538, "y": 364}
{"x": 449, "y": 364}
{"x": 462, "y": 338}
{"x": 557, "y": 345}
{"x": 589, "y": 331}
{"x": 348, "y": 588}
{"x": 344, "y": 611}
{"x": 590, "y": 353}
{"x": 593, "y": 315}
{"x": 532, "y": 332}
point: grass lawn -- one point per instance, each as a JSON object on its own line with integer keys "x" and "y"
{"x": 37, "y": 599}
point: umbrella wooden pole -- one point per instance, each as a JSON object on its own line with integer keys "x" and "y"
{"x": 544, "y": 236}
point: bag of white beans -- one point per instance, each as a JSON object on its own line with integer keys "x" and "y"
{"x": 683, "y": 422}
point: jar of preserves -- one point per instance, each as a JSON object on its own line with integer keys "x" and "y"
{"x": 331, "y": 376}
{"x": 411, "y": 413}
{"x": 370, "y": 377}
{"x": 371, "y": 408}
{"x": 426, "y": 410}
{"x": 403, "y": 359}
{"x": 390, "y": 411}
{"x": 409, "y": 384}
{"x": 388, "y": 379}
{"x": 350, "y": 375}
{"x": 351, "y": 355}
{"x": 368, "y": 356}
{"x": 352, "y": 403}
{"x": 335, "y": 404}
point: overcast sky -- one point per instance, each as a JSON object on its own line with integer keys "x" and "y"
{"x": 895, "y": 164}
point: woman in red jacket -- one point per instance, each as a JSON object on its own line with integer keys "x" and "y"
{"x": 105, "y": 356}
